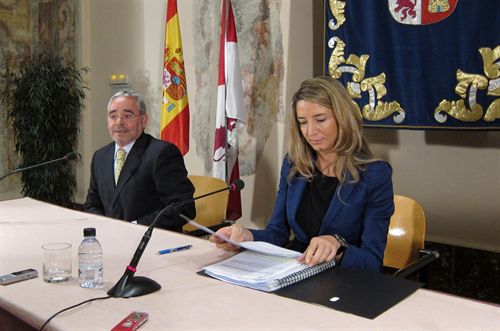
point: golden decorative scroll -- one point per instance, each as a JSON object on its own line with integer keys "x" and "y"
{"x": 491, "y": 69}
{"x": 376, "y": 109}
{"x": 493, "y": 111}
{"x": 383, "y": 110}
{"x": 473, "y": 80}
{"x": 359, "y": 62}
{"x": 337, "y": 9}
{"x": 337, "y": 57}
{"x": 375, "y": 83}
{"x": 458, "y": 110}
{"x": 467, "y": 87}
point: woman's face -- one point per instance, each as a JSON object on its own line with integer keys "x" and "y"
{"x": 318, "y": 126}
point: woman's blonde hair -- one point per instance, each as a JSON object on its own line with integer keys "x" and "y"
{"x": 352, "y": 150}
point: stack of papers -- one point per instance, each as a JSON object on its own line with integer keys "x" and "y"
{"x": 255, "y": 270}
{"x": 263, "y": 266}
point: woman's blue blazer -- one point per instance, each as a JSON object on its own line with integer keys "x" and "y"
{"x": 359, "y": 212}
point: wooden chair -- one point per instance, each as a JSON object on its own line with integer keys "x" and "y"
{"x": 211, "y": 210}
{"x": 405, "y": 241}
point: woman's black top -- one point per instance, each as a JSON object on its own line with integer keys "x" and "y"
{"x": 315, "y": 201}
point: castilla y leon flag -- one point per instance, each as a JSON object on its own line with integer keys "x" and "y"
{"x": 174, "y": 124}
{"x": 418, "y": 64}
{"x": 230, "y": 110}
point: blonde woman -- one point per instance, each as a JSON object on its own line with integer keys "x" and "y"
{"x": 333, "y": 195}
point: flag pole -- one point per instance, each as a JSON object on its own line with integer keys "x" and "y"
{"x": 226, "y": 143}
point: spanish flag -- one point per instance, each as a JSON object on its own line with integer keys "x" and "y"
{"x": 174, "y": 124}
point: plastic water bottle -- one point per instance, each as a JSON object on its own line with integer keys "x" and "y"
{"x": 90, "y": 266}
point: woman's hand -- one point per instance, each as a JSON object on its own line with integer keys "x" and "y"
{"x": 234, "y": 232}
{"x": 321, "y": 249}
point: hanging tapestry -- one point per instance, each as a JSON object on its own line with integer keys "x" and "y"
{"x": 418, "y": 64}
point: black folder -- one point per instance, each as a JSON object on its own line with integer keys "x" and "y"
{"x": 362, "y": 293}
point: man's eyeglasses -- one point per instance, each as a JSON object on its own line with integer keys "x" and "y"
{"x": 125, "y": 117}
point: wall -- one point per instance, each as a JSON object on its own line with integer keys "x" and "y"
{"x": 107, "y": 52}
{"x": 455, "y": 175}
{"x": 112, "y": 41}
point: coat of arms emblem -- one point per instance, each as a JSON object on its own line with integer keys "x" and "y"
{"x": 421, "y": 12}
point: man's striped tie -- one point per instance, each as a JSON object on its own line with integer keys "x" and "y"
{"x": 120, "y": 160}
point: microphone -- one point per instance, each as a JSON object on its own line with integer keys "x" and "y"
{"x": 73, "y": 156}
{"x": 237, "y": 185}
{"x": 133, "y": 286}
{"x": 68, "y": 157}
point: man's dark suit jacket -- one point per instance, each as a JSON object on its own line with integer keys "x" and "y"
{"x": 152, "y": 177}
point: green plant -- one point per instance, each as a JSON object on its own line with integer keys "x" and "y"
{"x": 44, "y": 99}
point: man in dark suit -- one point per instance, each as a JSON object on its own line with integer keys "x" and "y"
{"x": 136, "y": 176}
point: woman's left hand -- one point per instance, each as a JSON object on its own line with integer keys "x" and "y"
{"x": 321, "y": 249}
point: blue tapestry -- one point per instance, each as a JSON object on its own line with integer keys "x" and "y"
{"x": 418, "y": 64}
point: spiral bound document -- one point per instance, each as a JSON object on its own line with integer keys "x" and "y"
{"x": 304, "y": 274}
{"x": 262, "y": 271}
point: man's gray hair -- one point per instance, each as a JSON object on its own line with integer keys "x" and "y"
{"x": 141, "y": 104}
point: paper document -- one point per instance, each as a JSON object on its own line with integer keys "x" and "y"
{"x": 269, "y": 249}
{"x": 257, "y": 246}
{"x": 262, "y": 271}
{"x": 209, "y": 231}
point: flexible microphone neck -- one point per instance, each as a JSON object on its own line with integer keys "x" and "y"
{"x": 130, "y": 286}
{"x": 68, "y": 157}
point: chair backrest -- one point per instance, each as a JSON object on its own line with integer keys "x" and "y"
{"x": 406, "y": 233}
{"x": 210, "y": 210}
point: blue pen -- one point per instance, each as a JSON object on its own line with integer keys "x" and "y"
{"x": 175, "y": 249}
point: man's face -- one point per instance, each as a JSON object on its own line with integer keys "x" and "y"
{"x": 125, "y": 123}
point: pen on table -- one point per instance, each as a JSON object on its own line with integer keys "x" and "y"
{"x": 175, "y": 249}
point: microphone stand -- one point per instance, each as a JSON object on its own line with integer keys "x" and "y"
{"x": 133, "y": 286}
{"x": 69, "y": 156}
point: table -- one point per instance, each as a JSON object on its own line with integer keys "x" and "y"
{"x": 186, "y": 299}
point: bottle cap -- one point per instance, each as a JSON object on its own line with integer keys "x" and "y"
{"x": 89, "y": 232}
